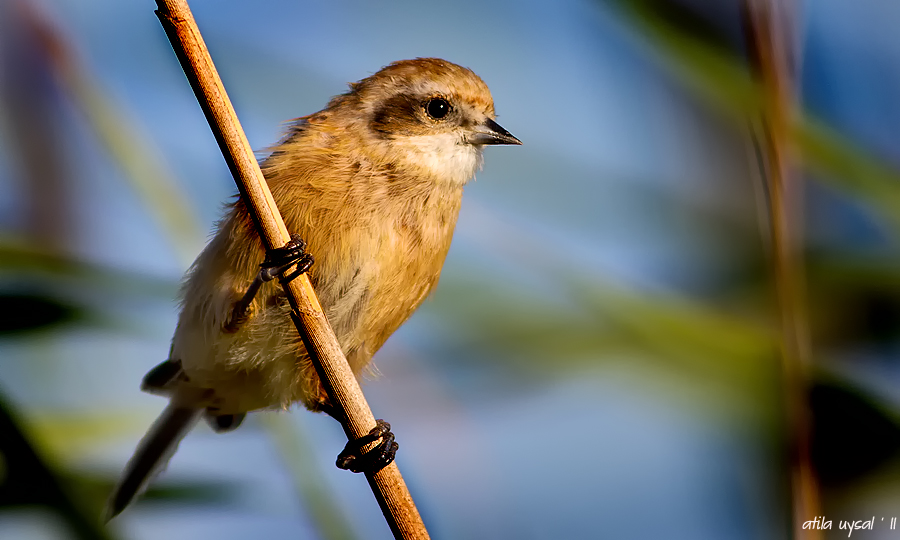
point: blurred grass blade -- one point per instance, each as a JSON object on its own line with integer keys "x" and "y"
{"x": 19, "y": 257}
{"x": 28, "y": 480}
{"x": 141, "y": 164}
{"x": 721, "y": 80}
{"x": 183, "y": 493}
{"x": 312, "y": 488}
{"x": 26, "y": 312}
{"x": 73, "y": 434}
{"x": 840, "y": 408}
{"x": 842, "y": 165}
{"x": 609, "y": 322}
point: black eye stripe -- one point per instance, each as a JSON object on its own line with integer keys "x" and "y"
{"x": 396, "y": 115}
{"x": 411, "y": 114}
{"x": 437, "y": 108}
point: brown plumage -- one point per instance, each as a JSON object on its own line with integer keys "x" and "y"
{"x": 373, "y": 184}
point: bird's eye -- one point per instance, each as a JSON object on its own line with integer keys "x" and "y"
{"x": 437, "y": 108}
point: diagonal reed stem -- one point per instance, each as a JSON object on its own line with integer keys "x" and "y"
{"x": 769, "y": 46}
{"x": 324, "y": 350}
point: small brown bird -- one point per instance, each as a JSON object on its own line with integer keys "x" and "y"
{"x": 373, "y": 184}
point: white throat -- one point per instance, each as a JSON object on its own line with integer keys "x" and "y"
{"x": 443, "y": 155}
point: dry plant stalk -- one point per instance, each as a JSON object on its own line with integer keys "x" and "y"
{"x": 324, "y": 350}
{"x": 770, "y": 47}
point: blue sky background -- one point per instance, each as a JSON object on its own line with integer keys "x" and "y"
{"x": 626, "y": 180}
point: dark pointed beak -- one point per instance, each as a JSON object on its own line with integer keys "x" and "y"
{"x": 490, "y": 132}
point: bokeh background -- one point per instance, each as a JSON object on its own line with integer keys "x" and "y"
{"x": 601, "y": 358}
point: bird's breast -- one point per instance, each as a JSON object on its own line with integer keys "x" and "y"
{"x": 412, "y": 249}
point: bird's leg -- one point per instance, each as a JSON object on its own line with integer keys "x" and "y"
{"x": 352, "y": 458}
{"x": 277, "y": 261}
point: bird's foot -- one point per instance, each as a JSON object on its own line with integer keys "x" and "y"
{"x": 375, "y": 459}
{"x": 278, "y": 260}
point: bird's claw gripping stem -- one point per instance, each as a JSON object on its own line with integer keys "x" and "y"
{"x": 375, "y": 459}
{"x": 277, "y": 261}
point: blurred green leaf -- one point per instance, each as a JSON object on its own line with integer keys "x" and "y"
{"x": 852, "y": 433}
{"x": 97, "y": 487}
{"x": 721, "y": 80}
{"x": 143, "y": 167}
{"x": 69, "y": 433}
{"x": 604, "y": 323}
{"x": 29, "y": 480}
{"x": 841, "y": 164}
{"x": 19, "y": 258}
{"x": 41, "y": 289}
{"x": 27, "y": 312}
{"x": 297, "y": 455}
{"x": 853, "y": 301}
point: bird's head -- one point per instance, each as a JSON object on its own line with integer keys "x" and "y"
{"x": 430, "y": 114}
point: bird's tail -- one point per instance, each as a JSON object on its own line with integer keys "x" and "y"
{"x": 152, "y": 455}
